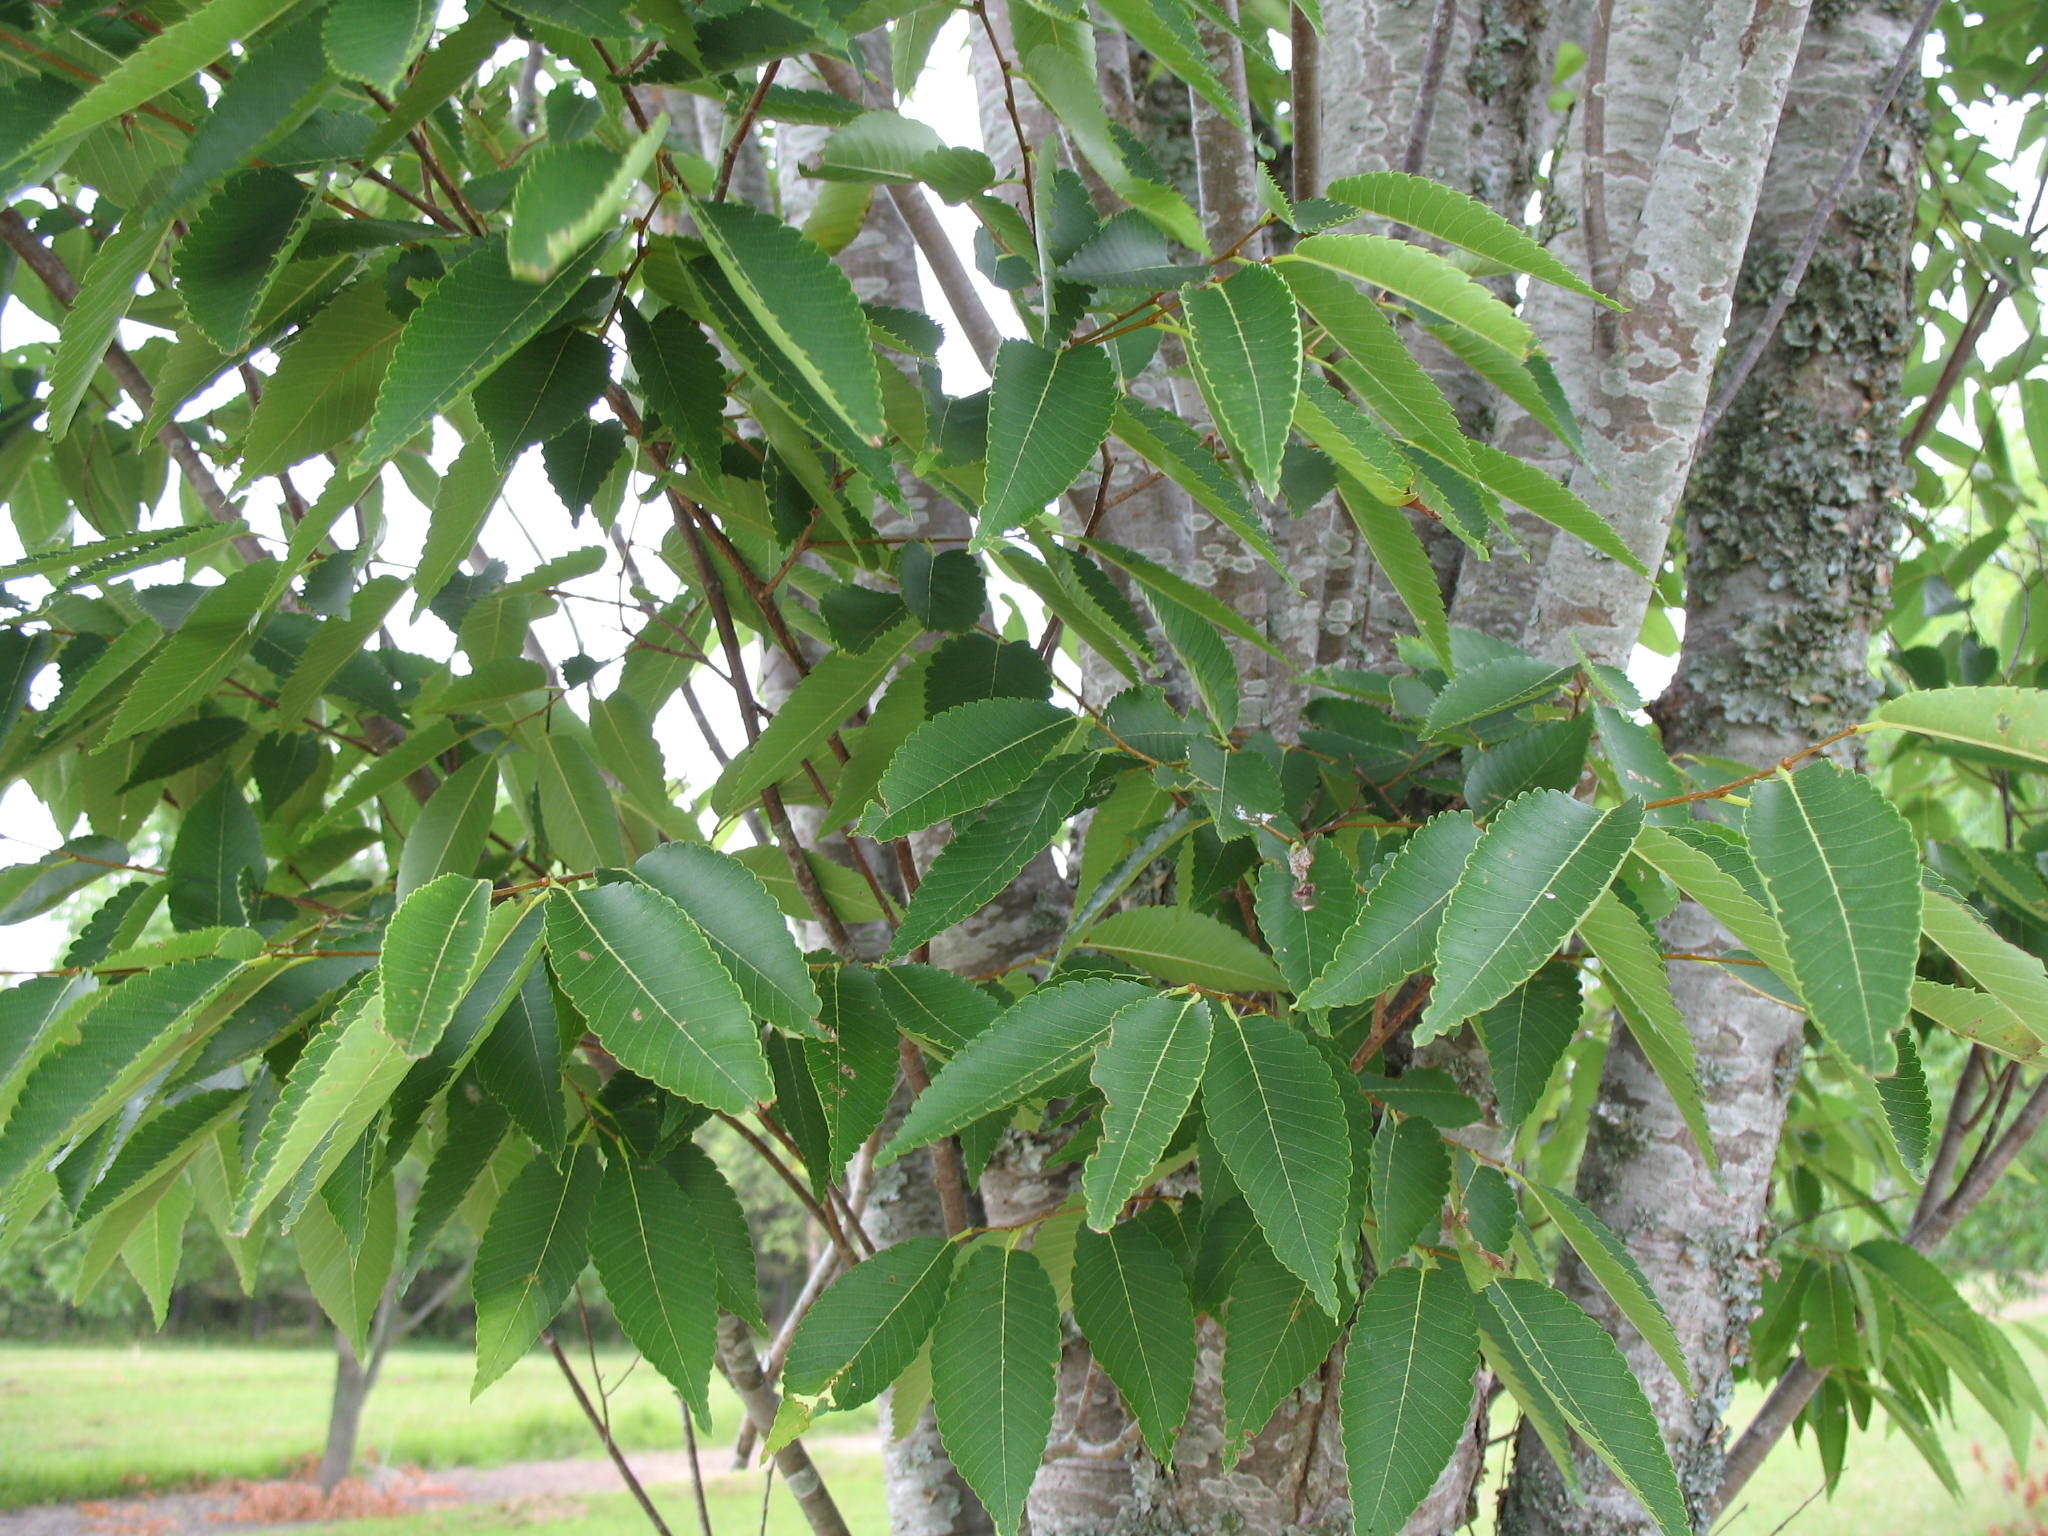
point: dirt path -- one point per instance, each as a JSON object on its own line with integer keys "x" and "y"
{"x": 255, "y": 1508}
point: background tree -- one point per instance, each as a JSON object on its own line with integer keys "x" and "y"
{"x": 1258, "y": 1008}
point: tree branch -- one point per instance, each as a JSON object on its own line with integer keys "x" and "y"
{"x": 1429, "y": 88}
{"x": 49, "y": 267}
{"x": 743, "y": 1369}
{"x": 1305, "y": 86}
{"x": 1796, "y": 1387}
{"x": 1907, "y": 63}
{"x": 604, "y": 1434}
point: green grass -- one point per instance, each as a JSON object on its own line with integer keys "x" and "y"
{"x": 84, "y": 1422}
{"x": 80, "y": 1423}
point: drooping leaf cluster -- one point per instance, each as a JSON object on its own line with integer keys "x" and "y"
{"x": 352, "y": 908}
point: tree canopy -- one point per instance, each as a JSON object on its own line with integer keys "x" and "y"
{"x": 1282, "y": 938}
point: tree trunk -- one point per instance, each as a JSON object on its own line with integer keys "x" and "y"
{"x": 1790, "y": 519}
{"x": 352, "y": 1383}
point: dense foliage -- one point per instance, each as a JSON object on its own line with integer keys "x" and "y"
{"x": 387, "y": 936}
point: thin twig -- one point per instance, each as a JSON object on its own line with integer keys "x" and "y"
{"x": 696, "y": 1472}
{"x": 1429, "y": 88}
{"x": 1305, "y": 87}
{"x": 741, "y": 129}
{"x": 611, "y": 1446}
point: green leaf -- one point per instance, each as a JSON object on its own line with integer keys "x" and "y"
{"x": 735, "y": 913}
{"x": 1843, "y": 874}
{"x": 1131, "y": 1301}
{"x": 2010, "y": 974}
{"x": 235, "y": 247}
{"x": 1276, "y": 1335}
{"x": 1908, "y": 1108}
{"x": 1148, "y": 1067}
{"x": 217, "y": 858}
{"x": 1395, "y": 935}
{"x": 577, "y": 807}
{"x": 1303, "y": 920}
{"x": 326, "y": 381}
{"x": 31, "y": 889}
{"x": 374, "y": 40}
{"x": 985, "y": 856}
{"x": 1455, "y": 219}
{"x": 1049, "y": 411}
{"x": 1574, "y": 1361}
{"x": 1422, "y": 277}
{"x": 448, "y": 836}
{"x": 995, "y": 1360}
{"x": 804, "y": 302}
{"x": 1067, "y": 85}
{"x": 431, "y": 949}
{"x": 2010, "y": 722}
{"x": 680, "y": 374}
{"x": 440, "y": 75}
{"x": 1682, "y": 856}
{"x": 945, "y": 590}
{"x": 1407, "y": 1397}
{"x": 206, "y": 647}
{"x": 340, "y": 641}
{"x": 1411, "y": 1180}
{"x": 937, "y": 1009}
{"x": 570, "y": 194}
{"x": 1525, "y": 1035}
{"x": 154, "y": 1248}
{"x": 837, "y": 686}
{"x": 1355, "y": 443}
{"x": 105, "y": 1050}
{"x": 1609, "y": 1262}
{"x": 1178, "y": 944}
{"x": 168, "y": 1139}
{"x": 854, "y": 1065}
{"x": 1158, "y": 581}
{"x": 1244, "y": 344}
{"x": 336, "y": 1088}
{"x": 867, "y": 1328}
{"x": 1545, "y": 498}
{"x": 1274, "y": 1111}
{"x": 347, "y": 1279}
{"x": 529, "y": 1258}
{"x": 1397, "y": 547}
{"x": 876, "y": 147}
{"x": 1542, "y": 863}
{"x": 649, "y": 1250}
{"x": 174, "y": 55}
{"x": 1633, "y": 970}
{"x": 1166, "y": 30}
{"x": 1491, "y": 687}
{"x": 725, "y": 1226}
{"x": 519, "y": 1063}
{"x": 546, "y": 386}
{"x": 653, "y": 991}
{"x": 475, "y": 1130}
{"x": 468, "y": 492}
{"x": 1041, "y": 1036}
{"x": 1168, "y": 443}
{"x": 104, "y": 294}
{"x": 962, "y": 760}
{"x": 1379, "y": 369}
{"x": 471, "y": 320}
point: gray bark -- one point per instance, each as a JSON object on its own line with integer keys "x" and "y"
{"x": 1790, "y": 516}
{"x": 1677, "y": 249}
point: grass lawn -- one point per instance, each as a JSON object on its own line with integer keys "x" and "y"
{"x": 85, "y": 1422}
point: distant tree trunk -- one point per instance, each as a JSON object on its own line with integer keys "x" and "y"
{"x": 1790, "y": 519}
{"x": 354, "y": 1380}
